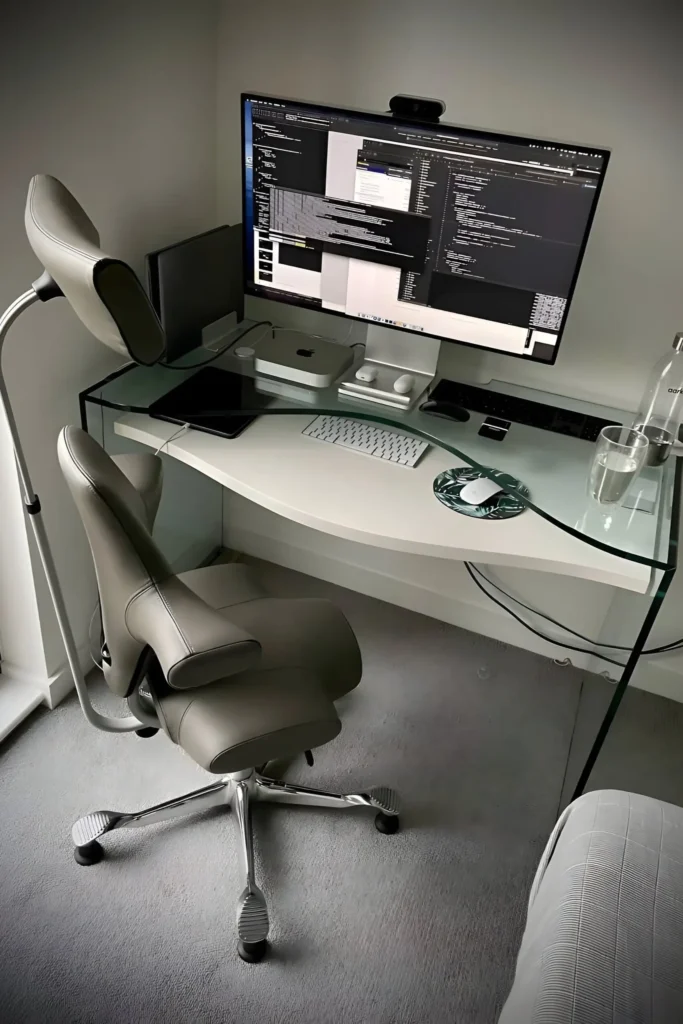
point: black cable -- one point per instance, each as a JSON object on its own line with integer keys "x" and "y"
{"x": 674, "y": 645}
{"x": 542, "y": 615}
{"x": 557, "y": 643}
{"x": 472, "y": 569}
{"x": 216, "y": 355}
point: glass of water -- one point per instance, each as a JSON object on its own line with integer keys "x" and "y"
{"x": 620, "y": 455}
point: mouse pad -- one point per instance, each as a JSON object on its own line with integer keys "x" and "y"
{"x": 449, "y": 484}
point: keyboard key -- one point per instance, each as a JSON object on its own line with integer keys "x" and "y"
{"x": 356, "y": 435}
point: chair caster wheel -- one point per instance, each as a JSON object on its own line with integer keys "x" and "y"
{"x": 146, "y": 732}
{"x": 386, "y": 823}
{"x": 252, "y": 952}
{"x": 91, "y": 853}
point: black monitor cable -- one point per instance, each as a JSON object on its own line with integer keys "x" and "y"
{"x": 472, "y": 570}
{"x": 216, "y": 355}
{"x": 259, "y": 323}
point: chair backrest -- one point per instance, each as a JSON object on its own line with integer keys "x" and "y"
{"x": 103, "y": 292}
{"x": 126, "y": 558}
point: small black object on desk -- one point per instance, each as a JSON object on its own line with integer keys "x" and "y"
{"x": 494, "y": 429}
{"x": 447, "y": 410}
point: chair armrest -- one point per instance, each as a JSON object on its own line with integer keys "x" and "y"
{"x": 195, "y": 644}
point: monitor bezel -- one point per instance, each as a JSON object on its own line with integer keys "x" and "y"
{"x": 387, "y": 118}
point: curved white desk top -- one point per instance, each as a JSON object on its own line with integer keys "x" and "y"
{"x": 367, "y": 500}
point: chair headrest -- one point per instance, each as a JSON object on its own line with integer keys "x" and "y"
{"x": 103, "y": 292}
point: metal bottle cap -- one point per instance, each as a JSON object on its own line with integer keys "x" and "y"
{"x": 678, "y": 342}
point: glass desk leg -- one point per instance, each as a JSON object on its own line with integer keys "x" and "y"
{"x": 637, "y": 750}
{"x": 620, "y": 689}
{"x": 189, "y": 523}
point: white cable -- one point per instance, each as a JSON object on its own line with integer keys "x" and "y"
{"x": 178, "y": 433}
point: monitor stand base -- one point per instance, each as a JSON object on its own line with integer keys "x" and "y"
{"x": 393, "y": 354}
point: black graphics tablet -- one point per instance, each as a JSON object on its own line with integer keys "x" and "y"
{"x": 217, "y": 401}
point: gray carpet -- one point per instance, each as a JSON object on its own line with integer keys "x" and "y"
{"x": 643, "y": 752}
{"x": 415, "y": 928}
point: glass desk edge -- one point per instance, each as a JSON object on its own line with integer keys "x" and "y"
{"x": 672, "y": 479}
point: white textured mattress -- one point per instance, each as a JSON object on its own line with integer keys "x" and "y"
{"x": 604, "y": 937}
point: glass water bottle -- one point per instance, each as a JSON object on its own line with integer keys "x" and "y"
{"x": 661, "y": 407}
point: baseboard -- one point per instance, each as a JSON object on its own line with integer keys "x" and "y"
{"x": 17, "y": 700}
{"x": 659, "y": 678}
{"x": 52, "y": 688}
{"x": 60, "y": 684}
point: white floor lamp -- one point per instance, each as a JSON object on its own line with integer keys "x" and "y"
{"x": 107, "y": 296}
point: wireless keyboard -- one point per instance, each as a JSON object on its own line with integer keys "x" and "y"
{"x": 368, "y": 439}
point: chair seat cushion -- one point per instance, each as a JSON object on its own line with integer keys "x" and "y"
{"x": 250, "y": 718}
{"x": 308, "y": 633}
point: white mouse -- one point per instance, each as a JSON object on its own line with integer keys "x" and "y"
{"x": 478, "y": 491}
{"x": 367, "y": 374}
{"x": 404, "y": 384}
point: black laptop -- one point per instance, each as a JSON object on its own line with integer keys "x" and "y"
{"x": 194, "y": 284}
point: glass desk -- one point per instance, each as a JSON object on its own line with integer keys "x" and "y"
{"x": 630, "y": 548}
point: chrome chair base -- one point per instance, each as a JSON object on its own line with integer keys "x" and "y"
{"x": 236, "y": 791}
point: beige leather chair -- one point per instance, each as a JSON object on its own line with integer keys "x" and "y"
{"x": 232, "y": 675}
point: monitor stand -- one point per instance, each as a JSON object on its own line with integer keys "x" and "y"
{"x": 392, "y": 354}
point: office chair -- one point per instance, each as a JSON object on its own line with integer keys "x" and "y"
{"x": 234, "y": 676}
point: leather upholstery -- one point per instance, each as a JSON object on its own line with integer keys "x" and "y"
{"x": 145, "y": 473}
{"x": 246, "y": 677}
{"x": 250, "y": 719}
{"x": 309, "y": 632}
{"x": 194, "y": 643}
{"x": 103, "y": 292}
{"x": 142, "y": 601}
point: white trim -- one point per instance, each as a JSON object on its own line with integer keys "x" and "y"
{"x": 60, "y": 684}
{"x": 51, "y": 689}
{"x": 17, "y": 701}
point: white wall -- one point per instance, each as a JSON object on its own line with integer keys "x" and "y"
{"x": 603, "y": 72}
{"x": 119, "y": 101}
{"x": 606, "y": 73}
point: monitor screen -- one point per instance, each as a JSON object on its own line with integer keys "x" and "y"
{"x": 469, "y": 236}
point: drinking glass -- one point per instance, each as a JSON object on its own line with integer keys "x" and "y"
{"x": 620, "y": 455}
